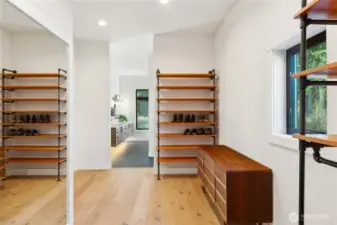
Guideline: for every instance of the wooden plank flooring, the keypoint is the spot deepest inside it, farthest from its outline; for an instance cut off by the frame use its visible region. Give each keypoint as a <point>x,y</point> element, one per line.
<point>33,201</point>
<point>135,197</point>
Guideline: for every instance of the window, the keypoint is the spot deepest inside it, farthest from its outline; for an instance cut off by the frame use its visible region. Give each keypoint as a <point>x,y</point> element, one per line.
<point>142,109</point>
<point>316,96</point>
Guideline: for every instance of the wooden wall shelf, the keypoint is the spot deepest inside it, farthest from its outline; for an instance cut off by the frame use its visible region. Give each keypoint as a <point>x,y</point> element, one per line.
<point>31,111</point>
<point>187,136</point>
<point>37,136</point>
<point>35,160</point>
<point>319,9</point>
<point>329,69</point>
<point>186,87</point>
<point>178,147</point>
<point>33,75</point>
<point>329,140</point>
<point>32,99</point>
<point>177,159</point>
<point>185,99</point>
<point>32,87</point>
<point>185,123</point>
<point>186,111</point>
<point>186,75</point>
<point>35,148</point>
<point>33,124</point>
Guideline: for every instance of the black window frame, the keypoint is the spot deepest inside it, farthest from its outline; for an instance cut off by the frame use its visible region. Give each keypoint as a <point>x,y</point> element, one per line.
<point>311,42</point>
<point>142,99</point>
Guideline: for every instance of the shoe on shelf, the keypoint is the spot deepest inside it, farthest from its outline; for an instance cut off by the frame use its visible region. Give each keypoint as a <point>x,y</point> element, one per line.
<point>20,132</point>
<point>187,132</point>
<point>201,131</point>
<point>194,132</point>
<point>181,118</point>
<point>14,119</point>
<point>33,119</point>
<point>206,119</point>
<point>28,132</point>
<point>12,132</point>
<point>46,118</point>
<point>193,118</point>
<point>41,119</point>
<point>35,132</point>
<point>21,119</point>
<point>27,119</point>
<point>188,119</point>
<point>175,118</point>
<point>209,131</point>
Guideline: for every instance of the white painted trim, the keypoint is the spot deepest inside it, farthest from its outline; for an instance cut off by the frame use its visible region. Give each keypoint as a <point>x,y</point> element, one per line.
<point>176,171</point>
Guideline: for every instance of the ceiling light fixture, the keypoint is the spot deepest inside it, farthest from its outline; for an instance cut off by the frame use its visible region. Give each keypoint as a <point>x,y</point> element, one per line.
<point>102,23</point>
<point>164,2</point>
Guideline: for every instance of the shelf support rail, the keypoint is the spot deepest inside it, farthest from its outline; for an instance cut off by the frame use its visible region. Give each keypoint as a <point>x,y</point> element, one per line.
<point>158,127</point>
<point>214,103</point>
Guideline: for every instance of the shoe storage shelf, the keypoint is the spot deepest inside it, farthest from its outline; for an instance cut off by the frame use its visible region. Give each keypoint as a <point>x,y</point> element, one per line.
<point>317,12</point>
<point>192,124</point>
<point>21,125</point>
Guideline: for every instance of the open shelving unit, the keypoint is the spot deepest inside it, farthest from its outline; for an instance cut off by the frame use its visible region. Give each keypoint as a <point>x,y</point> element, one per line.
<point>58,115</point>
<point>160,100</point>
<point>318,12</point>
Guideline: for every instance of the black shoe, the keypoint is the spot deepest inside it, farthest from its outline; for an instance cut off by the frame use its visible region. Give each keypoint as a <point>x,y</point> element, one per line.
<point>41,119</point>
<point>187,132</point>
<point>193,118</point>
<point>14,119</point>
<point>20,132</point>
<point>35,132</point>
<point>33,119</point>
<point>27,119</point>
<point>175,118</point>
<point>194,132</point>
<point>21,119</point>
<point>181,118</point>
<point>46,118</point>
<point>201,131</point>
<point>188,119</point>
<point>209,131</point>
<point>28,132</point>
<point>12,132</point>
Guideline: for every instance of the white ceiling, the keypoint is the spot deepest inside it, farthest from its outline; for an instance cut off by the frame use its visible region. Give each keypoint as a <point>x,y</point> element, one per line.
<point>128,18</point>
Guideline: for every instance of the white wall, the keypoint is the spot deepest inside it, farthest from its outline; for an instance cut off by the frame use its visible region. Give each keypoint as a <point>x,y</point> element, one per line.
<point>243,48</point>
<point>4,49</point>
<point>92,85</point>
<point>128,86</point>
<point>184,54</point>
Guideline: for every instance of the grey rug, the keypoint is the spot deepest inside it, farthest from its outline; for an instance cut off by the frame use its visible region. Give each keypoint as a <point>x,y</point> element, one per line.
<point>135,154</point>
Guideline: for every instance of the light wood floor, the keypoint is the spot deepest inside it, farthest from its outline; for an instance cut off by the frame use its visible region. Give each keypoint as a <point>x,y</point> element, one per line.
<point>134,197</point>
<point>33,201</point>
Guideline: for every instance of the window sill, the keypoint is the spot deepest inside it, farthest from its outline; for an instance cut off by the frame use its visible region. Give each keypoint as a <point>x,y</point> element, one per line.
<point>284,140</point>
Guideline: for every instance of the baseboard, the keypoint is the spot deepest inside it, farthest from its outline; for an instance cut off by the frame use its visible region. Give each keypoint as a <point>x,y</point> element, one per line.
<point>176,171</point>
<point>36,172</point>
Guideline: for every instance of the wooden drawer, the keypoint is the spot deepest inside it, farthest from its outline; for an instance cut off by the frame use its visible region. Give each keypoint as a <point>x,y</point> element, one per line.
<point>209,188</point>
<point>221,189</point>
<point>221,175</point>
<point>200,162</point>
<point>221,205</point>
<point>209,174</point>
<point>208,161</point>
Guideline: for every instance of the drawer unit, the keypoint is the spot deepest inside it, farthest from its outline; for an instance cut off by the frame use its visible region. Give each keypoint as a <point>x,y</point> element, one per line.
<point>240,188</point>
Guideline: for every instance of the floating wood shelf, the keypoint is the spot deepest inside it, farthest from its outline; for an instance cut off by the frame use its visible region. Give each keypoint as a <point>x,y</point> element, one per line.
<point>33,124</point>
<point>178,147</point>
<point>188,136</point>
<point>185,123</point>
<point>186,87</point>
<point>329,140</point>
<point>32,87</point>
<point>328,69</point>
<point>33,75</point>
<point>185,99</point>
<point>319,9</point>
<point>186,111</point>
<point>38,136</point>
<point>186,75</point>
<point>35,148</point>
<point>31,111</point>
<point>35,160</point>
<point>33,99</point>
<point>177,159</point>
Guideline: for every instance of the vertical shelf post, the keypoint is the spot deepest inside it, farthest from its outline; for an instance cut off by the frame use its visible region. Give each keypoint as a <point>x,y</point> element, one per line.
<point>158,126</point>
<point>59,122</point>
<point>302,144</point>
<point>214,104</point>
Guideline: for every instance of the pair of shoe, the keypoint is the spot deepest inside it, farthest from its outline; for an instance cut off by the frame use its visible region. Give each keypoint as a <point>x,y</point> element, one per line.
<point>204,118</point>
<point>200,131</point>
<point>30,119</point>
<point>190,119</point>
<point>23,132</point>
<point>178,118</point>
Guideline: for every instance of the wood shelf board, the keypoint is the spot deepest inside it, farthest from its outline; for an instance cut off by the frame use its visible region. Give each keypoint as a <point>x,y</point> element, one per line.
<point>35,148</point>
<point>32,99</point>
<point>37,136</point>
<point>186,75</point>
<point>183,135</point>
<point>35,160</point>
<point>177,159</point>
<point>2,178</point>
<point>31,87</point>
<point>186,87</point>
<point>33,124</point>
<point>30,111</point>
<point>177,147</point>
<point>329,69</point>
<point>33,75</point>
<point>319,9</point>
<point>185,123</point>
<point>329,140</point>
<point>185,99</point>
<point>186,111</point>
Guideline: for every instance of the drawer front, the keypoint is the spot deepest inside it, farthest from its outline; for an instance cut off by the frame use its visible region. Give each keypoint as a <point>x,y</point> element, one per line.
<point>209,174</point>
<point>208,161</point>
<point>209,188</point>
<point>221,205</point>
<point>200,161</point>
<point>221,189</point>
<point>221,175</point>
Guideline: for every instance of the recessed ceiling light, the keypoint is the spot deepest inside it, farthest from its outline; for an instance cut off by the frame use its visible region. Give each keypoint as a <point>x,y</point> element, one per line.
<point>102,23</point>
<point>164,2</point>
